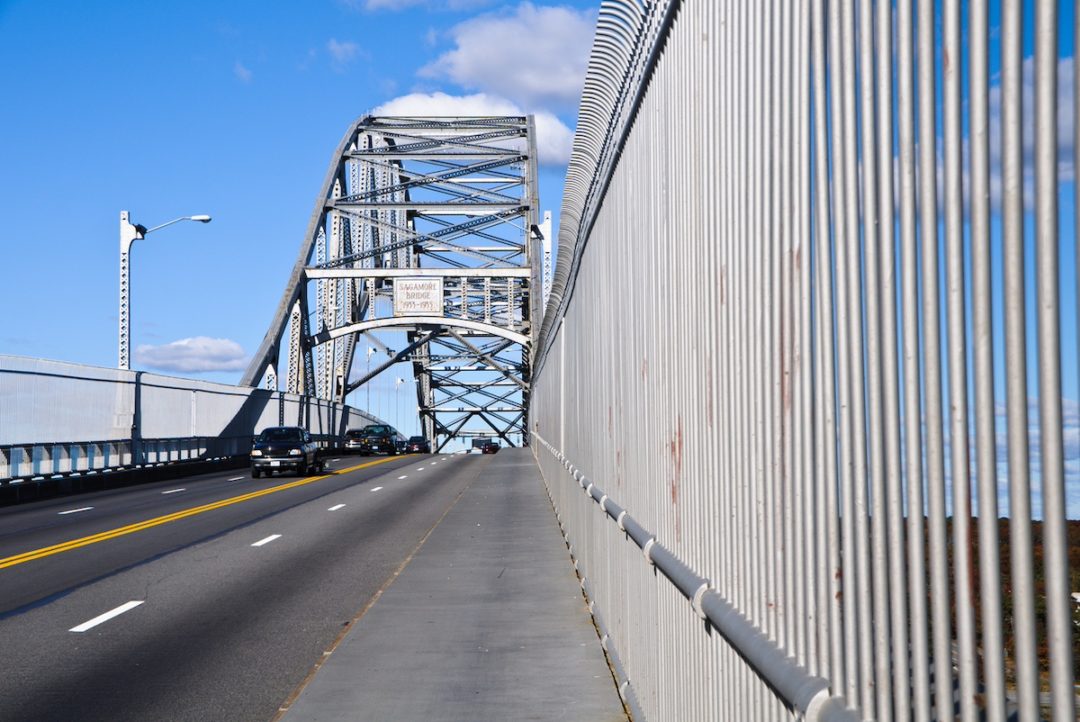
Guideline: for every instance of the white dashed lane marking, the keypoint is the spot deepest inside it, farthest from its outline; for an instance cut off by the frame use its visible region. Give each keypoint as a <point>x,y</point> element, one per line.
<point>376,488</point>
<point>75,511</point>
<point>267,540</point>
<point>105,617</point>
<point>421,468</point>
<point>237,478</point>
<point>404,476</point>
<point>335,507</point>
<point>173,491</point>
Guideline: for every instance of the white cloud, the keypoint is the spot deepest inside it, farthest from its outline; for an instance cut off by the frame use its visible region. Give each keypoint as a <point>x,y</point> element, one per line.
<point>242,73</point>
<point>193,355</point>
<point>536,56</point>
<point>553,138</point>
<point>341,52</point>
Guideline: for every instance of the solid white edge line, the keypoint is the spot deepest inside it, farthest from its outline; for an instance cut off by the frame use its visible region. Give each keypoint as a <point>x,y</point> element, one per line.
<point>335,507</point>
<point>74,511</point>
<point>173,491</point>
<point>267,540</point>
<point>403,476</point>
<point>105,617</point>
<point>237,478</point>
<point>376,488</point>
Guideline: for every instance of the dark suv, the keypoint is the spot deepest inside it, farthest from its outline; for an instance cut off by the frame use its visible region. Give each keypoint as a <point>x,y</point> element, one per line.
<point>418,445</point>
<point>374,439</point>
<point>284,448</point>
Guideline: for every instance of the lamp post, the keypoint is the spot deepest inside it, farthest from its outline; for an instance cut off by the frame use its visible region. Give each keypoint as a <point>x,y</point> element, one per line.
<point>370,351</point>
<point>129,233</point>
<point>397,400</point>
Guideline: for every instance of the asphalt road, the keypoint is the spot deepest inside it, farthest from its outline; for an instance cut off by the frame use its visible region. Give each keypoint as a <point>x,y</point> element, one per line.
<point>207,598</point>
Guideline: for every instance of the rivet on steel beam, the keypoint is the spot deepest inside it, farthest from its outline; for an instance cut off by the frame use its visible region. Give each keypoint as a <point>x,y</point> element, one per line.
<point>619,520</point>
<point>601,503</point>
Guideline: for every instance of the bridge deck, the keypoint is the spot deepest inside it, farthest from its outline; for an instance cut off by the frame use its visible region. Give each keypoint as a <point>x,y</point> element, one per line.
<point>487,622</point>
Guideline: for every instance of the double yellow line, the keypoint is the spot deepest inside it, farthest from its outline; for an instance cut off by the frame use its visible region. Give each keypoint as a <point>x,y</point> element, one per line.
<point>158,521</point>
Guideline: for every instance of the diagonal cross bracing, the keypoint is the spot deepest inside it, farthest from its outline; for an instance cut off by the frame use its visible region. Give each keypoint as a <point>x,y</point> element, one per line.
<point>444,207</point>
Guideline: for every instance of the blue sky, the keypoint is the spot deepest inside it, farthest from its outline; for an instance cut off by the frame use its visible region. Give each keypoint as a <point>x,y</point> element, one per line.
<point>233,109</point>
<point>230,109</point>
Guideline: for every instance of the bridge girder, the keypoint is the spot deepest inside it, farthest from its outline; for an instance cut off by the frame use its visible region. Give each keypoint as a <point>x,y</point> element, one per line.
<point>444,207</point>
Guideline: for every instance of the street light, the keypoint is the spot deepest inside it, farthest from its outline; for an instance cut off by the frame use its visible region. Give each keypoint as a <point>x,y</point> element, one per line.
<point>370,351</point>
<point>397,400</point>
<point>129,233</point>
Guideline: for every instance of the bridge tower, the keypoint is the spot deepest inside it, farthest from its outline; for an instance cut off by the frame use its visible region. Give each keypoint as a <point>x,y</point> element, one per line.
<point>426,226</point>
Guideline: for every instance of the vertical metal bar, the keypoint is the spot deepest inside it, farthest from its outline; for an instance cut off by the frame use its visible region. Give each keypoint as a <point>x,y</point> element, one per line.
<point>839,125</point>
<point>825,442</point>
<point>1055,540</point>
<point>1020,547</point>
<point>881,679</point>
<point>963,573</point>
<point>894,493</point>
<point>983,353</point>
<point>931,322</point>
<point>916,577</point>
<point>804,476</point>
<point>791,521</point>
<point>758,265</point>
<point>775,362</point>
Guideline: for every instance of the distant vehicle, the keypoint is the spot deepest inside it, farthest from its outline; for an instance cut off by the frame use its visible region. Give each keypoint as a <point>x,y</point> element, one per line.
<point>418,445</point>
<point>374,439</point>
<point>490,447</point>
<point>284,448</point>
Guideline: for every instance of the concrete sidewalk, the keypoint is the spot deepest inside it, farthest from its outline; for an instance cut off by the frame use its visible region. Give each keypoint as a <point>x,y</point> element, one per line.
<point>487,622</point>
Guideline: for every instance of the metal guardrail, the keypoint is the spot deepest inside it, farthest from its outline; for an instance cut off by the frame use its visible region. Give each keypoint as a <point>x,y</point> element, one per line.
<point>122,420</point>
<point>32,462</point>
<point>788,328</point>
<point>804,693</point>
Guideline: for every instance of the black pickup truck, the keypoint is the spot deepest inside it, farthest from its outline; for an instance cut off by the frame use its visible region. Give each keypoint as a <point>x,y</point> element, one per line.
<point>284,448</point>
<point>374,439</point>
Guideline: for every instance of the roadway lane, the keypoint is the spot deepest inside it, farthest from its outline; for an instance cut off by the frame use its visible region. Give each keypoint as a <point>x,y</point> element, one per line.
<point>43,525</point>
<point>218,615</point>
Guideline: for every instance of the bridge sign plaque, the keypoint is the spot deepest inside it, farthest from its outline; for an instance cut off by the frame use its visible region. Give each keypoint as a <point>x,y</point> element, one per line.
<point>418,297</point>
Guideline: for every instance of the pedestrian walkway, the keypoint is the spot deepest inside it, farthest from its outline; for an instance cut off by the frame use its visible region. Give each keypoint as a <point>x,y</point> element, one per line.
<point>487,622</point>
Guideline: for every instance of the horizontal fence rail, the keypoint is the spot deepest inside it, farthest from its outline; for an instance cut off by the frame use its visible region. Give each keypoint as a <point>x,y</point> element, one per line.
<point>816,282</point>
<point>60,419</point>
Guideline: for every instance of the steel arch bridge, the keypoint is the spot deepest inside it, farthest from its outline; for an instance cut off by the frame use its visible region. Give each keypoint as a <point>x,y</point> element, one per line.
<point>428,227</point>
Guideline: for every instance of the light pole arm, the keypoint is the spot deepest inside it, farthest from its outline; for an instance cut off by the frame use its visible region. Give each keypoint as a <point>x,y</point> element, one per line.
<point>200,219</point>
<point>129,233</point>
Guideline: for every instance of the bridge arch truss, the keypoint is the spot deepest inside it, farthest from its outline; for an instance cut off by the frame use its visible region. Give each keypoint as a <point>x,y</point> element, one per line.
<point>426,228</point>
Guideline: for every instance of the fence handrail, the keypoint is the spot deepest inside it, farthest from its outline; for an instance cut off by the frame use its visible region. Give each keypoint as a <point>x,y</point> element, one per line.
<point>802,691</point>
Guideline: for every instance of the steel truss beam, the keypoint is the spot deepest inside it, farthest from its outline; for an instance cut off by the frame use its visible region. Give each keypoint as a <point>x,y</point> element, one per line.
<point>445,198</point>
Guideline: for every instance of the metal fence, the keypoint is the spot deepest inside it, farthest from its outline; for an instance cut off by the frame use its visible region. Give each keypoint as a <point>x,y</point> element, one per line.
<point>785,387</point>
<point>59,419</point>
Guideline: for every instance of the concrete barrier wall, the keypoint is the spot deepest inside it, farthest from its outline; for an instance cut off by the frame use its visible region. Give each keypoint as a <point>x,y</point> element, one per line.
<point>63,418</point>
